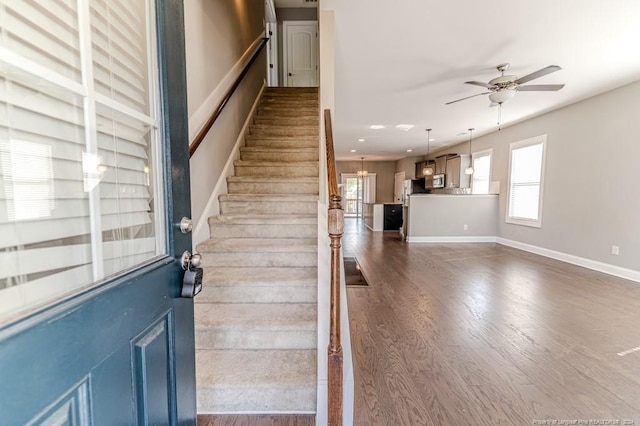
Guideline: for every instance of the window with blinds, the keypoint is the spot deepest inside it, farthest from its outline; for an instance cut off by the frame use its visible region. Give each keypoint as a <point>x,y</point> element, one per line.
<point>79,154</point>
<point>526,172</point>
<point>481,172</point>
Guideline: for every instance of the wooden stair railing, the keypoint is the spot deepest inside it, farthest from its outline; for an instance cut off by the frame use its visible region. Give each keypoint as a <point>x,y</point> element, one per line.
<point>336,229</point>
<point>193,146</point>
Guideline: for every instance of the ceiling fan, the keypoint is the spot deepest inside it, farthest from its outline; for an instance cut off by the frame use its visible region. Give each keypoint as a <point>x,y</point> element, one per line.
<point>503,88</point>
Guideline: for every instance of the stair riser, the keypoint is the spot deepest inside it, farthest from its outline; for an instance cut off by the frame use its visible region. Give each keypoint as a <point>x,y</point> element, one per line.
<point>283,142</point>
<point>309,94</point>
<point>289,101</point>
<point>288,111</point>
<point>282,171</point>
<point>286,121</point>
<point>260,260</point>
<point>266,130</point>
<point>278,156</point>
<point>249,207</point>
<point>263,231</point>
<point>272,188</point>
<point>258,399</point>
<point>262,294</point>
<point>256,339</point>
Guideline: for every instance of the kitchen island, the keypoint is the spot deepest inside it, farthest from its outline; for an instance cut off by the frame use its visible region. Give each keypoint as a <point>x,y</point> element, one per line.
<point>382,216</point>
<point>451,218</point>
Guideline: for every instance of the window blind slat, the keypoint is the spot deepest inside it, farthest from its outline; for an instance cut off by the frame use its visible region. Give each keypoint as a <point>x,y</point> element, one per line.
<point>37,231</point>
<point>41,38</point>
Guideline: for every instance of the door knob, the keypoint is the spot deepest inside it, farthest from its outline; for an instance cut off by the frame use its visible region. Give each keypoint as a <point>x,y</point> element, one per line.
<point>186,225</point>
<point>290,75</point>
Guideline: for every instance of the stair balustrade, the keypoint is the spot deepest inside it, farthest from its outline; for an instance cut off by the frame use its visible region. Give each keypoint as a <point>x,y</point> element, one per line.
<point>336,229</point>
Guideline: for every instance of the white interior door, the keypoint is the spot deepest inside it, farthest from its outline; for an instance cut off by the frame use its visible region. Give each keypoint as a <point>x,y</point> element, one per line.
<point>300,53</point>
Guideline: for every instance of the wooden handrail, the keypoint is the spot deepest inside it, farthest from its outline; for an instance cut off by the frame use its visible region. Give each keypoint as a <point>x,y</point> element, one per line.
<point>216,113</point>
<point>336,229</point>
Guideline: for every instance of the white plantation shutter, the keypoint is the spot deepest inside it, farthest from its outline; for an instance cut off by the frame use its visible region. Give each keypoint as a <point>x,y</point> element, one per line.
<point>525,182</point>
<point>78,145</point>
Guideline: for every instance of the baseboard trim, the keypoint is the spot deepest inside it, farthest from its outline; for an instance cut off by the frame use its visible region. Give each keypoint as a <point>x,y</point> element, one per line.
<point>469,239</point>
<point>201,115</point>
<point>212,208</point>
<point>595,265</point>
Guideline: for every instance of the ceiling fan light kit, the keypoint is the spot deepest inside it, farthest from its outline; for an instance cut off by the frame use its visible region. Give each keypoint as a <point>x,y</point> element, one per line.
<point>504,87</point>
<point>502,96</point>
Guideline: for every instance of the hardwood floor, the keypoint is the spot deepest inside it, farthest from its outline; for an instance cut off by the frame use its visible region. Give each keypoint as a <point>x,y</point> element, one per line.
<point>483,334</point>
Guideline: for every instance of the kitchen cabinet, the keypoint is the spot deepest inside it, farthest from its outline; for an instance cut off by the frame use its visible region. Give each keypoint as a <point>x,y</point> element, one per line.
<point>456,178</point>
<point>441,165</point>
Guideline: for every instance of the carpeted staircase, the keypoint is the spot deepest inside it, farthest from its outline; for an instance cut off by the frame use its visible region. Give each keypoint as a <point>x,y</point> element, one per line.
<point>256,332</point>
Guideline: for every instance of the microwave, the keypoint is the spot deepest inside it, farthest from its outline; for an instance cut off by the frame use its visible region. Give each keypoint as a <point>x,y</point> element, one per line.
<point>438,181</point>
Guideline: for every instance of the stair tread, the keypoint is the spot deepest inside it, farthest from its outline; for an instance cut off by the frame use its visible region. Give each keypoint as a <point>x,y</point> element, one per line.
<point>268,197</point>
<point>258,277</point>
<point>267,219</point>
<point>256,316</point>
<point>278,137</point>
<point>274,179</point>
<point>276,149</point>
<point>255,368</point>
<point>259,245</point>
<point>247,163</point>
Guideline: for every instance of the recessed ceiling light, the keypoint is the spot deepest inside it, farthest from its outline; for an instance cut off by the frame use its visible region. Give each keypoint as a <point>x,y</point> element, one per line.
<point>405,127</point>
<point>360,140</point>
<point>353,150</point>
<point>409,150</point>
<point>432,140</point>
<point>377,127</point>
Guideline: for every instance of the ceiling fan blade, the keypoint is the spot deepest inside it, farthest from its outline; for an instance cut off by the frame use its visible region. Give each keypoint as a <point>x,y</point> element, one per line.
<point>538,74</point>
<point>479,83</point>
<point>540,88</point>
<point>468,97</point>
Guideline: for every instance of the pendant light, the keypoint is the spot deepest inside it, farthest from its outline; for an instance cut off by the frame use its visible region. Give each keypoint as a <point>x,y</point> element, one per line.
<point>427,171</point>
<point>362,172</point>
<point>469,170</point>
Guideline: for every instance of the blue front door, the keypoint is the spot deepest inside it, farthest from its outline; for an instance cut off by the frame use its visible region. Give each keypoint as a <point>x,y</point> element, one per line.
<point>94,180</point>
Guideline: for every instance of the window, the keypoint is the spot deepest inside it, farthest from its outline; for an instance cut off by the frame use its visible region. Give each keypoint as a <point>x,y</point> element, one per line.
<point>526,172</point>
<point>80,190</point>
<point>481,172</point>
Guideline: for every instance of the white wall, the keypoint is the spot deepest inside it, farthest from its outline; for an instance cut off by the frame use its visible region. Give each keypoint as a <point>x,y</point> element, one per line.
<point>220,36</point>
<point>591,192</point>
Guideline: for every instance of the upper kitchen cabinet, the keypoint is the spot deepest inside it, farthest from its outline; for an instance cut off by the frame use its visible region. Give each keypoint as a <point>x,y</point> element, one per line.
<point>441,165</point>
<point>456,178</point>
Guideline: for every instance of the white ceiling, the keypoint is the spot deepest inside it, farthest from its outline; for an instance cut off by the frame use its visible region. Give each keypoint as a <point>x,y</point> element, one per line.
<point>400,62</point>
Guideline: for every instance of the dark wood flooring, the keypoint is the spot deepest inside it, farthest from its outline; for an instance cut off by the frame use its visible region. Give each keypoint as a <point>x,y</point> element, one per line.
<point>483,334</point>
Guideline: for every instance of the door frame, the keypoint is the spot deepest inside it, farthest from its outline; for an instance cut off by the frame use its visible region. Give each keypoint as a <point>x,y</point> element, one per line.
<point>285,49</point>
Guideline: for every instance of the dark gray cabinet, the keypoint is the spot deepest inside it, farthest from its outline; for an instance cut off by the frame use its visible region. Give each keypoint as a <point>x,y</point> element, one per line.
<point>392,217</point>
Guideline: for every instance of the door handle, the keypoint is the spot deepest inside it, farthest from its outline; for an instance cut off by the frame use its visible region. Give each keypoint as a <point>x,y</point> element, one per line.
<point>290,75</point>
<point>192,279</point>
